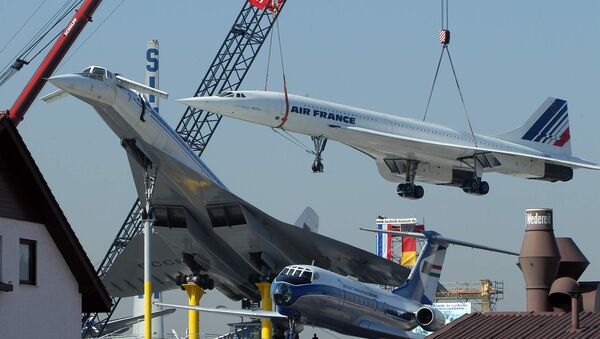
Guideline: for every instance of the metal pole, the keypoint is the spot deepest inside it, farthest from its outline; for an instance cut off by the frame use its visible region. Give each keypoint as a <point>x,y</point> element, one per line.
<point>147,277</point>
<point>148,220</point>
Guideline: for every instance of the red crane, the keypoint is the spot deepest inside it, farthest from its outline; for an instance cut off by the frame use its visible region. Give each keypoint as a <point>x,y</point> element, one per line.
<point>51,61</point>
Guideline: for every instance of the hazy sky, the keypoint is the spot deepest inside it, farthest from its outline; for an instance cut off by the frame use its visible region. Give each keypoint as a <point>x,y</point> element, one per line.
<point>510,56</point>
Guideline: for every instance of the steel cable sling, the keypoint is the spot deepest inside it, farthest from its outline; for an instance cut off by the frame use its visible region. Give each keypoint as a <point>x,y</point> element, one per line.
<point>445,41</point>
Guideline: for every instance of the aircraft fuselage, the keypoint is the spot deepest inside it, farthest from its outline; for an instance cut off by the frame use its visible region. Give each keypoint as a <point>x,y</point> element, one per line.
<point>345,305</point>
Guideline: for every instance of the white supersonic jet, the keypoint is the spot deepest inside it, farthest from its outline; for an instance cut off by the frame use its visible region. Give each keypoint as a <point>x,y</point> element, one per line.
<point>408,150</point>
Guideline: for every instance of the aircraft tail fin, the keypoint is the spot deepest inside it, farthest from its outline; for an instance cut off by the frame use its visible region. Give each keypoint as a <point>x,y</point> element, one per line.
<point>546,130</point>
<point>423,280</point>
<point>308,220</point>
<point>425,275</point>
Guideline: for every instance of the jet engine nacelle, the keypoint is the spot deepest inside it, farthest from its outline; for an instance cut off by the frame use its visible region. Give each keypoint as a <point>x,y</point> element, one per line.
<point>555,173</point>
<point>430,319</point>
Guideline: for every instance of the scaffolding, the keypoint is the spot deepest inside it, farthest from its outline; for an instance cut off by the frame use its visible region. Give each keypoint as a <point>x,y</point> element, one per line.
<point>483,294</point>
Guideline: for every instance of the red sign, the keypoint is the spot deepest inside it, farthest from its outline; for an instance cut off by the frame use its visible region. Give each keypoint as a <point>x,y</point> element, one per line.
<point>260,3</point>
<point>270,4</point>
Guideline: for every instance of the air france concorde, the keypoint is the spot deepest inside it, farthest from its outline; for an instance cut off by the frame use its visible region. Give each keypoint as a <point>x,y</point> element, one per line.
<point>408,150</point>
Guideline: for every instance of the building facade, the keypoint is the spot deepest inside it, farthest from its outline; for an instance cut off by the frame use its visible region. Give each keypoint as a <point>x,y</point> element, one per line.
<point>46,279</point>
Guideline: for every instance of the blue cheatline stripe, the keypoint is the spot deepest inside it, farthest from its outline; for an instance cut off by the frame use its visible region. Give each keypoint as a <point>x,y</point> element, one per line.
<point>553,122</point>
<point>543,120</point>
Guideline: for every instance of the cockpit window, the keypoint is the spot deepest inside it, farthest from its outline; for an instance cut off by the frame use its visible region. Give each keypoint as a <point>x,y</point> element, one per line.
<point>226,94</point>
<point>240,95</point>
<point>97,73</point>
<point>296,275</point>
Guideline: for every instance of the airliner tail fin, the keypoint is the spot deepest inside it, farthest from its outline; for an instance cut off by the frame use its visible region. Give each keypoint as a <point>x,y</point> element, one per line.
<point>423,280</point>
<point>546,130</point>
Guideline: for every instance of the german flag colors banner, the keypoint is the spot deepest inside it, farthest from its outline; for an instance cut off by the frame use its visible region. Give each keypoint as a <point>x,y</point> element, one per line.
<point>409,247</point>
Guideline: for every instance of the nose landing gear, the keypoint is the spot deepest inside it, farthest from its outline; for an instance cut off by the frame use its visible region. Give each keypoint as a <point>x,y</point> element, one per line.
<point>319,143</point>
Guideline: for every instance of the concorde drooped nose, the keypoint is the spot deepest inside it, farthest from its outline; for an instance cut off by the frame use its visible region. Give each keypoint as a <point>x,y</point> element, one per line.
<point>225,106</point>
<point>82,86</point>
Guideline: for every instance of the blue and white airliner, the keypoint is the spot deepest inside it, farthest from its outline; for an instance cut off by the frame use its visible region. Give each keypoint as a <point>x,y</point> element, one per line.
<point>408,150</point>
<point>307,294</point>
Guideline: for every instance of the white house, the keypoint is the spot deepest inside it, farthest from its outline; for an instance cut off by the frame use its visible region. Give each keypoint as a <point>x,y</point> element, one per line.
<point>46,279</point>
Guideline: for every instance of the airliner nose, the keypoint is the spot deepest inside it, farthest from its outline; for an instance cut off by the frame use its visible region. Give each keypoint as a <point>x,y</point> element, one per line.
<point>211,103</point>
<point>70,83</point>
<point>282,294</point>
<point>85,87</point>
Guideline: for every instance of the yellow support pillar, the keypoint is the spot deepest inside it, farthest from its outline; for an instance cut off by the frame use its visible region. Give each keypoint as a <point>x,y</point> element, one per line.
<point>267,304</point>
<point>194,293</point>
<point>148,309</point>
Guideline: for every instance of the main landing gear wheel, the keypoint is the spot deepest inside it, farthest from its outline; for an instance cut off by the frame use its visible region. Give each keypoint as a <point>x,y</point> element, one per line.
<point>477,187</point>
<point>484,188</point>
<point>203,281</point>
<point>410,191</point>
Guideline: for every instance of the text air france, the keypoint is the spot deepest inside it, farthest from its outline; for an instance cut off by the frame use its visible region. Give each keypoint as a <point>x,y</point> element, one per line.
<point>324,115</point>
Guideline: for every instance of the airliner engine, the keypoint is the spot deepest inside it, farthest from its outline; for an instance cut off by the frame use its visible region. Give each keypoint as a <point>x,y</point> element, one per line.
<point>430,319</point>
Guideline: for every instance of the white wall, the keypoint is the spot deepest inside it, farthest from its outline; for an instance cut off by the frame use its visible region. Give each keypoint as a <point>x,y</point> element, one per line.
<point>51,308</point>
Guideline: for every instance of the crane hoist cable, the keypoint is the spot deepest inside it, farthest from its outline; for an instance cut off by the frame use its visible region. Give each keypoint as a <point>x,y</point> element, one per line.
<point>22,26</point>
<point>279,130</point>
<point>285,91</point>
<point>20,59</point>
<point>274,7</point>
<point>65,60</point>
<point>269,62</point>
<point>444,37</point>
